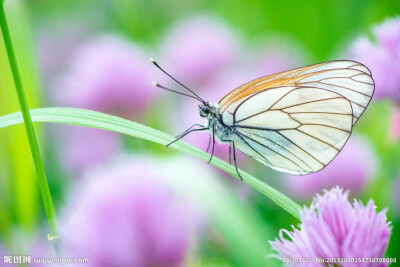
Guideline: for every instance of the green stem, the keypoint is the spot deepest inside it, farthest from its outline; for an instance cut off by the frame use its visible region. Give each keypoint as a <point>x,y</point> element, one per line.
<point>43,184</point>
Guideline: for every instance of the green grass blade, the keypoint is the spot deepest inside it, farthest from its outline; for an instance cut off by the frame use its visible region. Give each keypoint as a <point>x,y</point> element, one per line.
<point>43,184</point>
<point>99,120</point>
<point>19,191</point>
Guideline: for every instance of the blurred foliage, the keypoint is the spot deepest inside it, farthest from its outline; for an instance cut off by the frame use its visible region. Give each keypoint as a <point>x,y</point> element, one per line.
<point>321,26</point>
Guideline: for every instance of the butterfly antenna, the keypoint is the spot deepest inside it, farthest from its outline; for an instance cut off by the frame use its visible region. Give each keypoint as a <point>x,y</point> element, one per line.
<point>158,66</point>
<point>174,91</point>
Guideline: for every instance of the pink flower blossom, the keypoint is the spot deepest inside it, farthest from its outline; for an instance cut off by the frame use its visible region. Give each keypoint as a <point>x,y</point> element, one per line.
<point>333,228</point>
<point>56,42</point>
<point>351,169</point>
<point>197,48</point>
<point>382,57</point>
<point>126,214</point>
<point>107,74</point>
<point>394,133</point>
<point>276,55</point>
<point>83,147</point>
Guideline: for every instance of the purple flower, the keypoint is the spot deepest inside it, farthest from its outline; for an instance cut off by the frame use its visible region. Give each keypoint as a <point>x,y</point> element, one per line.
<point>351,169</point>
<point>277,55</point>
<point>126,214</point>
<point>5,256</point>
<point>196,49</point>
<point>383,58</point>
<point>107,74</point>
<point>84,147</point>
<point>333,228</point>
<point>110,75</point>
<point>24,249</point>
<point>394,133</point>
<point>57,41</point>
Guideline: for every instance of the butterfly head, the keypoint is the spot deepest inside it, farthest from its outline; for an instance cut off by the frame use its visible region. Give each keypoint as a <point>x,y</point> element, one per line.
<point>205,110</point>
<point>208,110</point>
<point>210,113</point>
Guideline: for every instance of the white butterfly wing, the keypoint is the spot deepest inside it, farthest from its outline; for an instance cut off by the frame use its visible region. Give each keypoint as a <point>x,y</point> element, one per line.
<point>347,78</point>
<point>292,129</point>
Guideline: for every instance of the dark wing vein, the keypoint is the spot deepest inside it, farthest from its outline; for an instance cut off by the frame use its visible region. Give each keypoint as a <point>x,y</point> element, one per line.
<point>308,102</point>
<point>333,127</point>
<point>265,137</point>
<point>318,112</point>
<point>263,145</point>
<point>234,112</point>
<point>265,129</point>
<point>281,109</point>
<point>351,78</point>
<point>344,87</point>
<point>316,138</point>
<point>299,147</point>
<point>359,104</point>
<point>252,148</point>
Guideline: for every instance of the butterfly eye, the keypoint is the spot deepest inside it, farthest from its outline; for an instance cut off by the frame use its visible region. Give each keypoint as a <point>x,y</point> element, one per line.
<point>204,110</point>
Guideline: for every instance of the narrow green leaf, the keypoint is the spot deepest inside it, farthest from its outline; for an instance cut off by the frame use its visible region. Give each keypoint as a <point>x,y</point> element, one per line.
<point>43,185</point>
<point>99,120</point>
<point>19,190</point>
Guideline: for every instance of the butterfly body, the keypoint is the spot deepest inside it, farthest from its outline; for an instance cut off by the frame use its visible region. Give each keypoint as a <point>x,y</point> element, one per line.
<point>214,122</point>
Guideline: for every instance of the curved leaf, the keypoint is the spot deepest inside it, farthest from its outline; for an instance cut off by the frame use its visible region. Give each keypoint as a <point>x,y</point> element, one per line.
<point>88,118</point>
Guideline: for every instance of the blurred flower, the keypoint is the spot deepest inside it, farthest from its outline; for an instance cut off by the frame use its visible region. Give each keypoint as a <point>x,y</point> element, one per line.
<point>107,74</point>
<point>56,41</point>
<point>351,169</point>
<point>25,247</point>
<point>110,75</point>
<point>83,147</point>
<point>128,215</point>
<point>4,254</point>
<point>333,228</point>
<point>196,49</point>
<point>394,133</point>
<point>383,58</point>
<point>277,54</point>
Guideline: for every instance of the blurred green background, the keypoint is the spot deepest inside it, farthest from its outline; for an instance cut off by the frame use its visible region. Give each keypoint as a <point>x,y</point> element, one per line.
<point>239,228</point>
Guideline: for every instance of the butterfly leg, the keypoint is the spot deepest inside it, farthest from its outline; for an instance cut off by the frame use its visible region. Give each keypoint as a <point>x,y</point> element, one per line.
<point>196,124</point>
<point>186,133</point>
<point>212,150</point>
<point>230,156</point>
<point>209,143</point>
<point>234,159</point>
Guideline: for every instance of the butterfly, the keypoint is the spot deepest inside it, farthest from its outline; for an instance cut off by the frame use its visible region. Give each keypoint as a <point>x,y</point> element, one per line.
<point>295,121</point>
